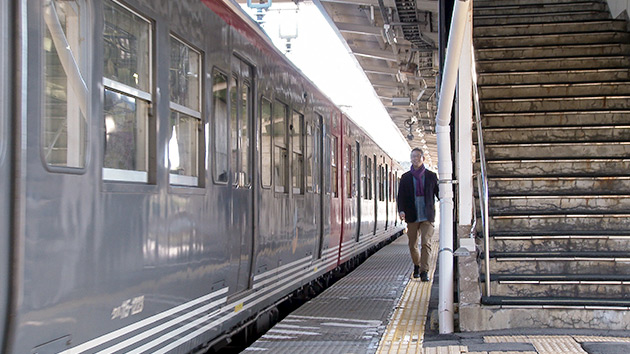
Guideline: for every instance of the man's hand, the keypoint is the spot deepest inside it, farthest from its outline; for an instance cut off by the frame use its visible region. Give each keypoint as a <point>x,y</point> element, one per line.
<point>402,215</point>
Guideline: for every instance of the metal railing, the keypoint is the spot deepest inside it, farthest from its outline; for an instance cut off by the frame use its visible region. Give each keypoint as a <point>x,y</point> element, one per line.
<point>482,181</point>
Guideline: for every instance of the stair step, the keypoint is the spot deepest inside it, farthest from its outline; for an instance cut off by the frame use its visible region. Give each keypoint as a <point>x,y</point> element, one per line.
<point>577,204</point>
<point>561,185</point>
<point>486,3</point>
<point>560,243</point>
<point>530,234</point>
<point>548,64</point>
<point>554,76</point>
<point>561,264</point>
<point>571,301</point>
<point>572,63</point>
<point>549,28</point>
<point>552,51</point>
<point>558,168</point>
<point>551,39</point>
<point>575,16</point>
<point>613,289</point>
<point>611,256</point>
<point>560,223</point>
<point>554,104</point>
<point>537,9</point>
<point>558,90</point>
<point>539,278</point>
<point>543,119</point>
<point>557,150</point>
<point>556,134</point>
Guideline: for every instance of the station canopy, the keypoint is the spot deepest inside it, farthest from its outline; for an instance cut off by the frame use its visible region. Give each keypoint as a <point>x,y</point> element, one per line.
<point>396,44</point>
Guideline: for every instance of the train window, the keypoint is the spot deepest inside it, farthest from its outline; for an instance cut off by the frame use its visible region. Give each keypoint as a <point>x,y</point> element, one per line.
<point>240,121</point>
<point>127,46</point>
<point>219,99</point>
<point>280,155</point>
<point>364,185</point>
<point>334,164</point>
<point>65,90</point>
<point>234,123</point>
<point>185,128</point>
<point>309,157</point>
<point>369,178</point>
<point>297,138</point>
<point>267,146</point>
<point>326,177</point>
<point>317,154</point>
<point>349,171</point>
<point>379,182</point>
<point>127,80</point>
<point>389,184</point>
<point>381,192</point>
<point>246,115</point>
<point>355,166</point>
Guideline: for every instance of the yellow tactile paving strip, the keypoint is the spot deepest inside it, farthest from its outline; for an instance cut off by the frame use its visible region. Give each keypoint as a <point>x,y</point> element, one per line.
<point>452,349</point>
<point>405,330</point>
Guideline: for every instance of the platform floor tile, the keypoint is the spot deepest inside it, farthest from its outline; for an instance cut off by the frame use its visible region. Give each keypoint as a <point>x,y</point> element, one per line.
<point>350,316</point>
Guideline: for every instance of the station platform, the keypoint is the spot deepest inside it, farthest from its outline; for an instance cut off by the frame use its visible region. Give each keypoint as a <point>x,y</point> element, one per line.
<point>380,308</point>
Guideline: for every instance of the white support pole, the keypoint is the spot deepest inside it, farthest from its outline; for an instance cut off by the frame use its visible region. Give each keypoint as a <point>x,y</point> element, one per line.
<point>464,140</point>
<point>445,168</point>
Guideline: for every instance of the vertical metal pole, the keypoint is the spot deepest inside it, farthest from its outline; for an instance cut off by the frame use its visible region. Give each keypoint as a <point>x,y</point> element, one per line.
<point>445,168</point>
<point>464,130</point>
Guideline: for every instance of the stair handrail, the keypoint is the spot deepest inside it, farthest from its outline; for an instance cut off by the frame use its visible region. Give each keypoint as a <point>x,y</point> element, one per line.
<point>483,182</point>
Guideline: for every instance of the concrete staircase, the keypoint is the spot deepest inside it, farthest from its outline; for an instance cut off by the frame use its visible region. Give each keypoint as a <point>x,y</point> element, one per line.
<point>555,100</point>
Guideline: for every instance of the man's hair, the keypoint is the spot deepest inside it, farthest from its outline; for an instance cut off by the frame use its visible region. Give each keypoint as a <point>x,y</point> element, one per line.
<point>418,150</point>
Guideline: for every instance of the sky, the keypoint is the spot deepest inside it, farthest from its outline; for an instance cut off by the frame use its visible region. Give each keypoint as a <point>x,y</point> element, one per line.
<point>325,60</point>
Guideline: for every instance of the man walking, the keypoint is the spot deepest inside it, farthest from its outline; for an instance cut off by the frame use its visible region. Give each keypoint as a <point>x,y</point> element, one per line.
<point>416,206</point>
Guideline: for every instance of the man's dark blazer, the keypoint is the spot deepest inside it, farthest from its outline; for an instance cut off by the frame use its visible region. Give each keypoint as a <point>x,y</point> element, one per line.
<point>407,199</point>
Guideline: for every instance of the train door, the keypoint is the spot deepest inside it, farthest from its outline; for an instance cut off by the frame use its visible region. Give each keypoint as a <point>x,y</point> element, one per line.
<point>241,128</point>
<point>56,194</point>
<point>358,195</point>
<point>5,164</point>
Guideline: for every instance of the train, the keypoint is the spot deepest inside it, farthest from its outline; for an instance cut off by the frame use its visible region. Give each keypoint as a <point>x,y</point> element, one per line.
<point>168,177</point>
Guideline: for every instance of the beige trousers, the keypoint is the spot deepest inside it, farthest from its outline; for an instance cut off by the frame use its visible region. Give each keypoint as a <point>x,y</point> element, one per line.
<point>426,232</point>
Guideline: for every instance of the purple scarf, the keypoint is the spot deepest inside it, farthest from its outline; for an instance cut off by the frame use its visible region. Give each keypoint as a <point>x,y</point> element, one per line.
<point>418,179</point>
